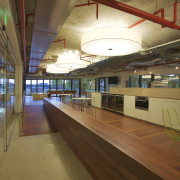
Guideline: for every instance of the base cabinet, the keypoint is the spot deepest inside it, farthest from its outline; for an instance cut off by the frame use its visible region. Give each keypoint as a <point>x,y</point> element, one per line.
<point>129,105</point>
<point>155,110</point>
<point>141,114</point>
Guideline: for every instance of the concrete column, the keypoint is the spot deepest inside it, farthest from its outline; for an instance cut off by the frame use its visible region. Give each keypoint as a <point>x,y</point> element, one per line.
<point>18,87</point>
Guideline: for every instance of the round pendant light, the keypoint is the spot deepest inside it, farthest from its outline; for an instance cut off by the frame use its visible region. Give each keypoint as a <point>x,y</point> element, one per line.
<point>111,41</point>
<point>56,70</point>
<point>70,59</point>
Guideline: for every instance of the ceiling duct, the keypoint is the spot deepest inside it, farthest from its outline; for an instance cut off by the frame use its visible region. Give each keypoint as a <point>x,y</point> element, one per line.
<point>49,18</point>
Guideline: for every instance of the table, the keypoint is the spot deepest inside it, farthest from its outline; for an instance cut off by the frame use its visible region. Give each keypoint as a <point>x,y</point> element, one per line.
<point>61,95</point>
<point>39,96</point>
<point>82,99</point>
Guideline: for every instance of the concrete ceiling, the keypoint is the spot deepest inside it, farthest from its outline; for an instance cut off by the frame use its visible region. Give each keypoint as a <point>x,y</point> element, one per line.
<point>82,19</point>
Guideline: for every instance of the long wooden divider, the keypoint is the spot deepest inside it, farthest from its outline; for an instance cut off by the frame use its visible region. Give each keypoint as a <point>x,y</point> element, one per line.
<point>107,152</point>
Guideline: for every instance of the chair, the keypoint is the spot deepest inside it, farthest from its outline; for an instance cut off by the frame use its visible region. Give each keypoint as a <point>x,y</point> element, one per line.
<point>171,121</point>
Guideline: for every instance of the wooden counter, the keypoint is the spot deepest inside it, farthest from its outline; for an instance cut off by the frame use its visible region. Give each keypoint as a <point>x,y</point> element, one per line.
<point>107,152</point>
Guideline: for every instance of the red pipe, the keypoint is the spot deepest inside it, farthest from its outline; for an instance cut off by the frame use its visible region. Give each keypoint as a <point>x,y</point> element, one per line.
<point>59,40</point>
<point>175,12</point>
<point>27,16</point>
<point>161,11</point>
<point>137,12</point>
<point>88,4</point>
<point>81,58</point>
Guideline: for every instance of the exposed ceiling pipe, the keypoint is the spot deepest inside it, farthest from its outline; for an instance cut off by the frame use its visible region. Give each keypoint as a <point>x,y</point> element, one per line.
<point>164,64</point>
<point>59,40</point>
<point>160,11</point>
<point>22,14</point>
<point>39,59</point>
<point>88,4</point>
<point>175,12</point>
<point>82,58</point>
<point>27,16</point>
<point>43,66</point>
<point>137,12</point>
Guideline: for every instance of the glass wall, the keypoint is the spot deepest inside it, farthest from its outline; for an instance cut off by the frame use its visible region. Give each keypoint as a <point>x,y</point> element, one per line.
<point>34,87</point>
<point>68,85</point>
<point>155,81</point>
<point>53,85</point>
<point>87,85</point>
<point>46,86</point>
<point>134,81</point>
<point>60,84</point>
<point>145,81</point>
<point>28,87</point>
<point>40,86</point>
<point>102,84</point>
<point>7,92</point>
<point>75,86</point>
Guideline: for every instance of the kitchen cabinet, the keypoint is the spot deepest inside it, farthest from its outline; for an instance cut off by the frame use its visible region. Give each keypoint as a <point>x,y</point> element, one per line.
<point>129,105</point>
<point>97,99</point>
<point>170,103</point>
<point>141,114</point>
<point>155,110</point>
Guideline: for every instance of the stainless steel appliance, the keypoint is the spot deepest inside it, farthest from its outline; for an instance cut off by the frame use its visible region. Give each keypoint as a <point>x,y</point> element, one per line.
<point>119,105</point>
<point>142,102</point>
<point>113,102</point>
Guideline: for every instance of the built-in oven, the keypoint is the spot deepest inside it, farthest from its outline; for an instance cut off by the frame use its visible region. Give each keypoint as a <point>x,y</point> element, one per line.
<point>142,103</point>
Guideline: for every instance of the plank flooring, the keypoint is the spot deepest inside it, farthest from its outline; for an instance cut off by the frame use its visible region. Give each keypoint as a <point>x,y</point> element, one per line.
<point>151,133</point>
<point>34,119</point>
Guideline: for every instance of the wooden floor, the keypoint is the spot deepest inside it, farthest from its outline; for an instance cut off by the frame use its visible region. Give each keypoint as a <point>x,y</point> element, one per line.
<point>34,118</point>
<point>151,133</point>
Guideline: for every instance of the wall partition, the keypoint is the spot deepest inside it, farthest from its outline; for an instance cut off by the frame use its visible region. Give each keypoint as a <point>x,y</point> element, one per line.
<point>7,94</point>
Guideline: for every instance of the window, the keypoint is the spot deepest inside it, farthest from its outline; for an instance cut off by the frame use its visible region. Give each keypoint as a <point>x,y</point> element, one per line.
<point>11,86</point>
<point>134,81</point>
<point>34,86</point>
<point>106,85</point>
<point>68,85</point>
<point>145,81</point>
<point>28,87</point>
<point>53,85</point>
<point>172,80</point>
<point>60,85</point>
<point>87,84</point>
<point>40,86</point>
<point>75,86</point>
<point>46,86</point>
<point>102,84</point>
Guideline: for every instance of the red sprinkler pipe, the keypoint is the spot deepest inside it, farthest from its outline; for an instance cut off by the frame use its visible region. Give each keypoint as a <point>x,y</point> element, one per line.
<point>81,58</point>
<point>175,12</point>
<point>137,12</point>
<point>22,13</point>
<point>88,4</point>
<point>59,40</point>
<point>161,11</point>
